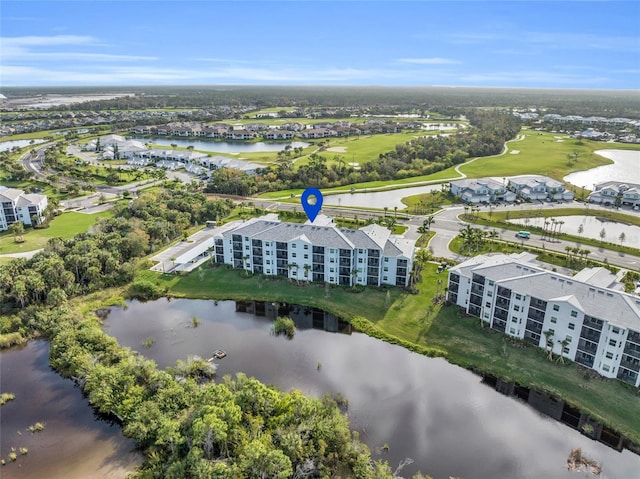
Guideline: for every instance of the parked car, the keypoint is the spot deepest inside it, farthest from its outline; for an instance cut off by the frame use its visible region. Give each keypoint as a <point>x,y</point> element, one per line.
<point>523,234</point>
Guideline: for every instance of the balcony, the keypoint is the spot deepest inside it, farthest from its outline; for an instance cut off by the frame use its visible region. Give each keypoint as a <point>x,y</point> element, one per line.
<point>476,289</point>
<point>501,314</point>
<point>630,363</point>
<point>590,334</point>
<point>587,346</point>
<point>536,315</point>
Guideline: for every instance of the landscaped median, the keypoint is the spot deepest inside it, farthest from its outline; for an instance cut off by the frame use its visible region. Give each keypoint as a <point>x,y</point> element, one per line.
<point>415,322</point>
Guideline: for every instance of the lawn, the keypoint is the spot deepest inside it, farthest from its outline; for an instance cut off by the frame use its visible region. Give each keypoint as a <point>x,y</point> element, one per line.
<point>543,154</point>
<point>539,153</point>
<point>416,321</point>
<point>66,225</point>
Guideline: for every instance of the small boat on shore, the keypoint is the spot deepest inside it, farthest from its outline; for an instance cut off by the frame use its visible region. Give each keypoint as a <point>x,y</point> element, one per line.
<point>219,354</point>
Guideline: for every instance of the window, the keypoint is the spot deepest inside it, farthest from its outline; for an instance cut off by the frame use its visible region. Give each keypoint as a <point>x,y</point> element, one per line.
<point>514,319</point>
<point>386,260</point>
<point>268,261</point>
<point>268,271</point>
<point>606,367</point>
<point>572,326</point>
<point>568,338</point>
<point>565,350</point>
<point>612,342</point>
<point>293,245</point>
<point>359,260</point>
<point>384,278</point>
<point>552,331</point>
<point>516,308</point>
<point>554,320</point>
<point>332,260</point>
<point>512,331</point>
<point>332,270</point>
<point>574,314</point>
<point>518,296</point>
<point>491,283</point>
<point>293,255</point>
<point>489,293</point>
<point>306,246</point>
<point>267,244</point>
<point>609,355</point>
<point>306,256</point>
<point>360,251</point>
<point>556,307</point>
<point>386,268</point>
<point>332,250</point>
<point>246,247</point>
<point>487,304</point>
<point>486,315</point>
<point>615,330</point>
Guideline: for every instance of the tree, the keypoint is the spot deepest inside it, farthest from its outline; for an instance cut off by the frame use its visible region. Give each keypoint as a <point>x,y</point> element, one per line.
<point>426,224</point>
<point>563,344</point>
<point>580,229</point>
<point>603,235</point>
<point>17,229</point>
<point>548,335</point>
<point>622,238</point>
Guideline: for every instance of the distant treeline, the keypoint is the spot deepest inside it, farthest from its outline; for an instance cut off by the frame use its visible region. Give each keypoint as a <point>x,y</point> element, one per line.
<point>446,100</point>
<point>422,156</point>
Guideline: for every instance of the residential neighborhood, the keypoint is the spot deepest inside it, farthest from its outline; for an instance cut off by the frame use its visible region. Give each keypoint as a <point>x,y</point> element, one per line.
<point>28,208</point>
<point>525,187</point>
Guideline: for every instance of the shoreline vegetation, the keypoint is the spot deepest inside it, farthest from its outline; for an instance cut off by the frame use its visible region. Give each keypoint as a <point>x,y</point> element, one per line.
<point>414,322</point>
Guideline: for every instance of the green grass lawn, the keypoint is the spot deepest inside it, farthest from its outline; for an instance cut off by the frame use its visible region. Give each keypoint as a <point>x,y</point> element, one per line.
<point>417,321</point>
<point>65,225</point>
<point>543,154</point>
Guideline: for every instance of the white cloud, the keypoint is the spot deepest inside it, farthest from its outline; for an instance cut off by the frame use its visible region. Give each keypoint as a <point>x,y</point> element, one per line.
<point>34,48</point>
<point>428,61</point>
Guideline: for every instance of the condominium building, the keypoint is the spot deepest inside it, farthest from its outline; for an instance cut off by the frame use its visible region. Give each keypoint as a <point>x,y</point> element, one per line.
<point>16,205</point>
<point>586,317</point>
<point>317,251</point>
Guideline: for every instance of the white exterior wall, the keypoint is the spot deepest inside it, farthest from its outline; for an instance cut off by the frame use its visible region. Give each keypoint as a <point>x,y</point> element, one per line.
<point>392,266</point>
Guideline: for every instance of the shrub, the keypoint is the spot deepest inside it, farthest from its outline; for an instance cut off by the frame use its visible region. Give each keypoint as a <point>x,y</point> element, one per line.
<point>286,326</point>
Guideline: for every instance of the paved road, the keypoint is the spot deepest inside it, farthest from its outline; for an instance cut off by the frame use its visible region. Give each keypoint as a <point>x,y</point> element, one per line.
<point>447,225</point>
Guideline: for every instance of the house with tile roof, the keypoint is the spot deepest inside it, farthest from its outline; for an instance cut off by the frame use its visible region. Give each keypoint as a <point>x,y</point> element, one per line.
<point>16,205</point>
<point>586,318</point>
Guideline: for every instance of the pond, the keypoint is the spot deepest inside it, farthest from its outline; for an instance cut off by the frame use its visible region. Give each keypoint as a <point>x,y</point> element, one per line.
<point>379,199</point>
<point>74,443</point>
<point>8,145</point>
<point>223,146</point>
<point>441,416</point>
<point>592,226</point>
<point>626,168</point>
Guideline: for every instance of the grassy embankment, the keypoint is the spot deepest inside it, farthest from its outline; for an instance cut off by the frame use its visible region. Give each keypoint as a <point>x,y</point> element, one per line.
<point>65,226</point>
<point>414,322</point>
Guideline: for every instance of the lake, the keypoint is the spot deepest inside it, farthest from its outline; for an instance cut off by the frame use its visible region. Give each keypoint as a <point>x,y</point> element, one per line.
<point>7,145</point>
<point>75,443</point>
<point>379,199</point>
<point>626,168</point>
<point>591,228</point>
<point>223,146</point>
<point>441,416</point>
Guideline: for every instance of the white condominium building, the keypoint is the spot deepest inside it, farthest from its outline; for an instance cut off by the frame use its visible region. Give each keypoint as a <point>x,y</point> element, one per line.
<point>317,252</point>
<point>586,317</point>
<point>16,205</point>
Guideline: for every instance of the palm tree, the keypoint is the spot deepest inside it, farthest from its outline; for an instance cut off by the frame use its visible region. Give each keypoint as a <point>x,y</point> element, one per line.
<point>548,343</point>
<point>354,276</point>
<point>386,208</point>
<point>563,344</point>
<point>307,268</point>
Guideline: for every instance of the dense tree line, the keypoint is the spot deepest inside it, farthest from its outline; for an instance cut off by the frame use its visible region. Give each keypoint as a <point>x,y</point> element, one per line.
<point>106,255</point>
<point>422,156</point>
<point>389,99</point>
<point>187,425</point>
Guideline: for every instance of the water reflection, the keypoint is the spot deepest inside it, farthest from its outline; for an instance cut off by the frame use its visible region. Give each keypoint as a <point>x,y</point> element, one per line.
<point>441,416</point>
<point>7,145</point>
<point>626,168</point>
<point>592,226</point>
<point>74,443</point>
<point>223,146</point>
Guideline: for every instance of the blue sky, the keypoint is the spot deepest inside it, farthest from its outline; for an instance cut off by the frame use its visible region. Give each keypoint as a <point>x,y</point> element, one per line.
<point>577,44</point>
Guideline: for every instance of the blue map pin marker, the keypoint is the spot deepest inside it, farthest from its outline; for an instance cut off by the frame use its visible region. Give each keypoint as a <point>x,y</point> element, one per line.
<point>311,209</point>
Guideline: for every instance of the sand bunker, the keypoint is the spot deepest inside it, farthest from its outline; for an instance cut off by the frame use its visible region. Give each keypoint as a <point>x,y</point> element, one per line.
<point>338,149</point>
<point>515,152</point>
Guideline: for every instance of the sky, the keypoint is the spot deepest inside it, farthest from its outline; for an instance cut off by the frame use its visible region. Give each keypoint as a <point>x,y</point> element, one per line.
<point>548,44</point>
